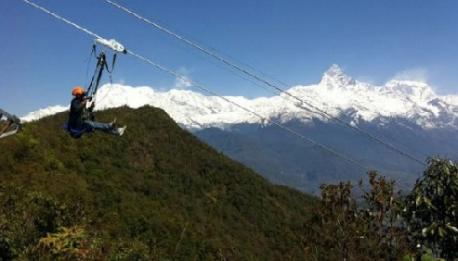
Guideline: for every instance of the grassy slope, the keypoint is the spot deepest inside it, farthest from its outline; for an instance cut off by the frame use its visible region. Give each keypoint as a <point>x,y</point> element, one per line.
<point>157,190</point>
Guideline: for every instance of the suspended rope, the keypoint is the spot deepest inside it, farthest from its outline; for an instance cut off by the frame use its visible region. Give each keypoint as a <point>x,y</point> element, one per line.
<point>302,102</point>
<point>102,63</point>
<point>201,87</point>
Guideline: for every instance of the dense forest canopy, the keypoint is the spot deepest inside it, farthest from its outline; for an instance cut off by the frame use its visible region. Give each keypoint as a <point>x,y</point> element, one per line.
<point>160,193</point>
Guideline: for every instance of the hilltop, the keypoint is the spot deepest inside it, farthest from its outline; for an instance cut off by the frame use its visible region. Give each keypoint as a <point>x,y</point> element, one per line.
<point>157,192</point>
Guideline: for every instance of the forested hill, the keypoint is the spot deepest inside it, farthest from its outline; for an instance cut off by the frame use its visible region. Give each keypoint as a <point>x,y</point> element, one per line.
<point>155,193</point>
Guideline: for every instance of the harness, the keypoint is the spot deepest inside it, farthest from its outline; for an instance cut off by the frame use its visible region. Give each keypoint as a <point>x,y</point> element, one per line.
<point>75,133</point>
<point>93,87</point>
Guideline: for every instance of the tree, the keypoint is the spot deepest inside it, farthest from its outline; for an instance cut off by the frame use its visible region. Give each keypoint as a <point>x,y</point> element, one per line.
<point>335,227</point>
<point>382,214</point>
<point>370,230</point>
<point>431,210</point>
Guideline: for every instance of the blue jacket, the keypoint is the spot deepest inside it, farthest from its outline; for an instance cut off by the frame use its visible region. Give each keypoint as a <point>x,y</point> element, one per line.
<point>75,117</point>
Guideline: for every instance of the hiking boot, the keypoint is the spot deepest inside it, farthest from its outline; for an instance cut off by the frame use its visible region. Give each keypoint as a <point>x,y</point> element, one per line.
<point>120,131</point>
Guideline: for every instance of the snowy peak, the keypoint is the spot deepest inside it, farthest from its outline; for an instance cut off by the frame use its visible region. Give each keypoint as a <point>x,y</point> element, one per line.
<point>451,99</point>
<point>337,93</point>
<point>418,91</point>
<point>335,77</point>
<point>43,113</point>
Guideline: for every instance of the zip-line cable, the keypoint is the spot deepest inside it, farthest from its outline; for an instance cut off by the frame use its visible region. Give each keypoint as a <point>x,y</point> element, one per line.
<point>201,87</point>
<point>262,118</point>
<point>269,83</point>
<point>63,19</point>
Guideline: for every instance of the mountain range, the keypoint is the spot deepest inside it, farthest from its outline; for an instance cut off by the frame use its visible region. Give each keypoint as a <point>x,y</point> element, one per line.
<point>407,114</point>
<point>336,93</point>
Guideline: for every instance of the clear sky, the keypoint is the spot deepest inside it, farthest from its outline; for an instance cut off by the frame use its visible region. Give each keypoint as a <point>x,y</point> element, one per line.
<point>295,41</point>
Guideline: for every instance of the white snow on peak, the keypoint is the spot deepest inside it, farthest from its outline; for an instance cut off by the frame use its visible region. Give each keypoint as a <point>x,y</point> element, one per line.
<point>335,77</point>
<point>35,115</point>
<point>336,93</point>
<point>451,99</point>
<point>418,91</point>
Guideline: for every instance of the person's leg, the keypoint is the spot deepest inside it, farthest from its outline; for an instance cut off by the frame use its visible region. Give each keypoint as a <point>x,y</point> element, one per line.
<point>105,127</point>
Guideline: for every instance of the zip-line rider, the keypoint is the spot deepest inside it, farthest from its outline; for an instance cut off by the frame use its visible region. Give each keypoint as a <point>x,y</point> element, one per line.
<point>11,120</point>
<point>79,121</point>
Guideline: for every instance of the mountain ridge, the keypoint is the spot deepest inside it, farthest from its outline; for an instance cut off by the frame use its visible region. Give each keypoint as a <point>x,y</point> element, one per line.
<point>337,93</point>
<point>157,193</point>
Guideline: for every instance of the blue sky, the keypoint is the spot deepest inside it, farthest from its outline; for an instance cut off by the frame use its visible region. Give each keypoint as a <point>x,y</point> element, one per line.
<point>41,59</point>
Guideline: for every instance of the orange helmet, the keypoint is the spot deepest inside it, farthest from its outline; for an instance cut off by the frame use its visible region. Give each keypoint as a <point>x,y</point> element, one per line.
<point>78,91</point>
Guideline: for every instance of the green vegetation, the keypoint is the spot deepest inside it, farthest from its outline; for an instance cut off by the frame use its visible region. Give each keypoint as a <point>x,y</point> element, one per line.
<point>386,225</point>
<point>155,193</point>
<point>369,232</point>
<point>158,193</point>
<point>432,209</point>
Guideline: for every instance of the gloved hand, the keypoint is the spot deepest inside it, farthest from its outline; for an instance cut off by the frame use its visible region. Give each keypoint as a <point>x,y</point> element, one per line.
<point>90,105</point>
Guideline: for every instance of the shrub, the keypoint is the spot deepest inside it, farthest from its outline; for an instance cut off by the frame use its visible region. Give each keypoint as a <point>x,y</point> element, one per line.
<point>431,210</point>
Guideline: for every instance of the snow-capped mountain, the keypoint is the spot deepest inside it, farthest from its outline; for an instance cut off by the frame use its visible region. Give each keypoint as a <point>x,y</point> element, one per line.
<point>337,93</point>
<point>406,113</point>
<point>32,116</point>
